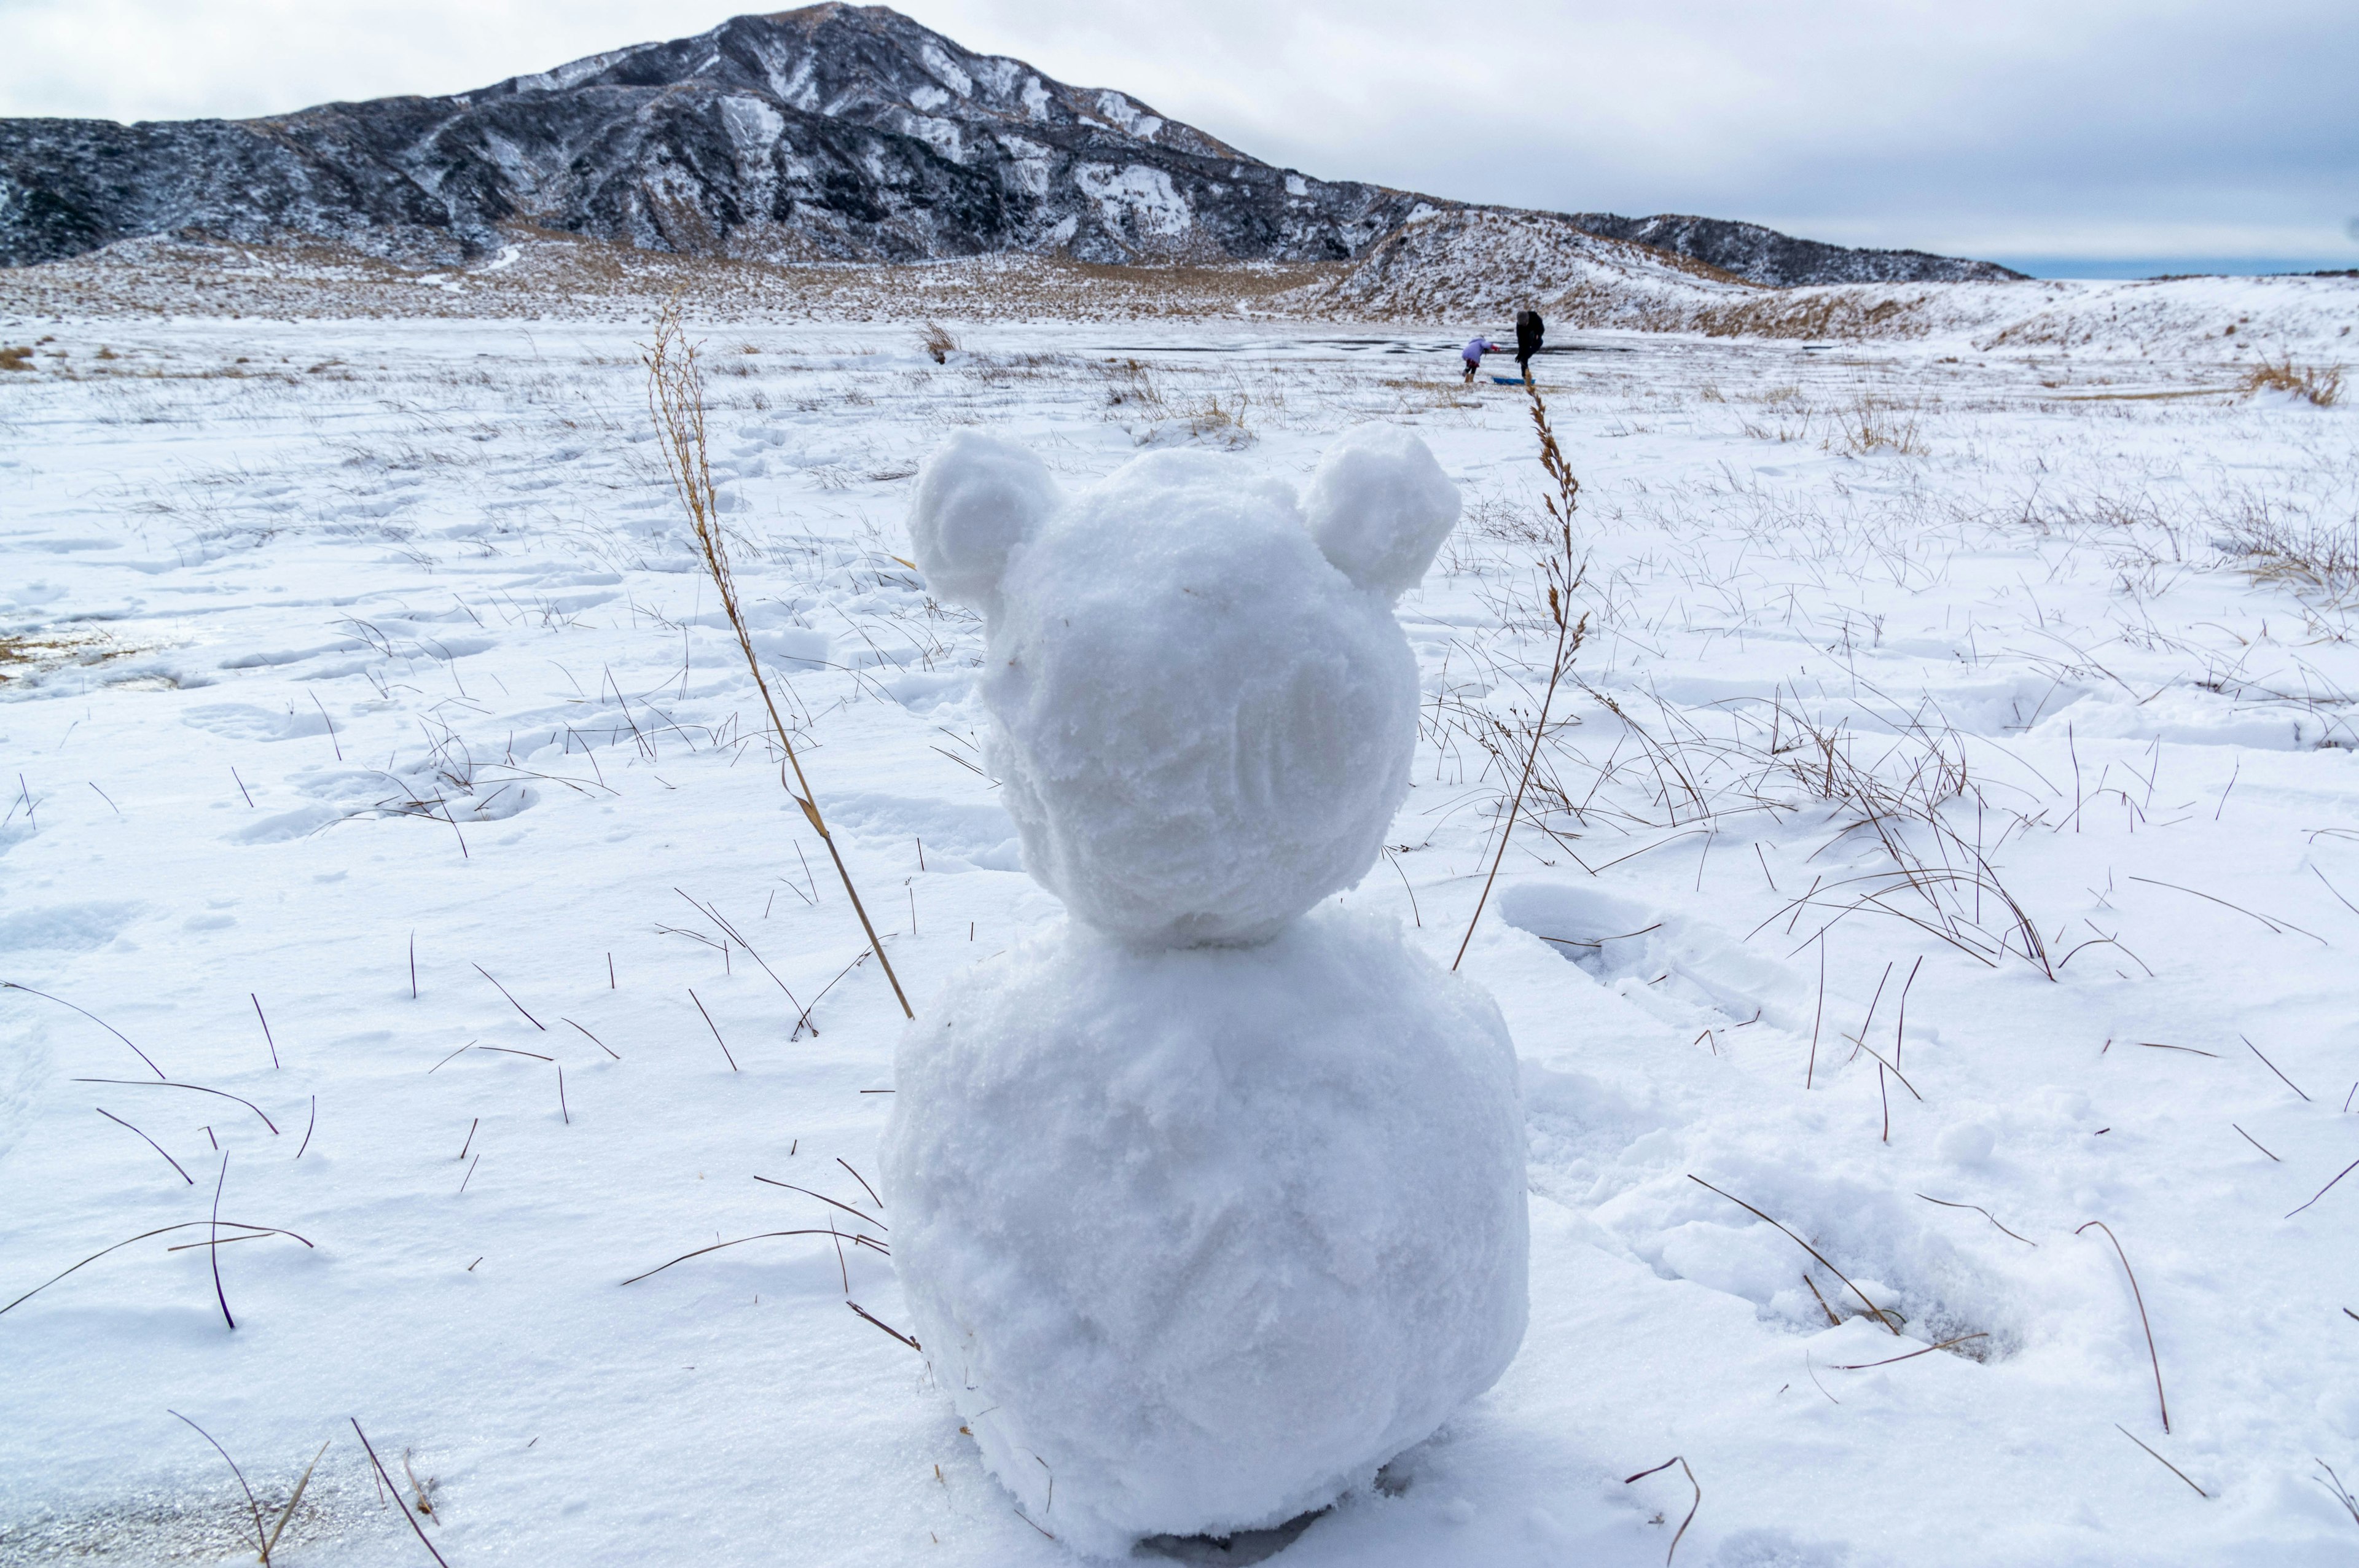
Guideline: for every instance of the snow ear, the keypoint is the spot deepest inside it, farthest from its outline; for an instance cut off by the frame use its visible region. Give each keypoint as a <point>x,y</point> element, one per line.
<point>1379,507</point>
<point>978,498</point>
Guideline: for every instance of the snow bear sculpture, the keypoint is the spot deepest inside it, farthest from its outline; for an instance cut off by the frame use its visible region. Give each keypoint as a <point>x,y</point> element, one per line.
<point>1202,708</point>
<point>1209,1201</point>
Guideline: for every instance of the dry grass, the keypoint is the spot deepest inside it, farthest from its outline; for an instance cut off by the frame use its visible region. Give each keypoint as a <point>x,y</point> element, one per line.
<point>384,1476</point>
<point>938,343</point>
<point>212,1226</point>
<point>2342,1494</point>
<point>2312,383</point>
<point>1887,1321</point>
<point>1828,313</point>
<point>676,399</point>
<point>1870,423</point>
<point>1697,1503</point>
<point>564,275</point>
<point>1219,416</point>
<point>2278,540</point>
<point>34,651</point>
<point>1898,804</point>
<point>2139,1297</point>
<point>1213,419</point>
<point>1131,385</point>
<point>2311,555</point>
<point>1899,794</point>
<point>1561,573</point>
<point>266,1541</point>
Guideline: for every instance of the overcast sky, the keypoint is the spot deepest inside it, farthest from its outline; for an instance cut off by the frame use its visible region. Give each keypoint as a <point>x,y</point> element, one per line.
<point>2123,130</point>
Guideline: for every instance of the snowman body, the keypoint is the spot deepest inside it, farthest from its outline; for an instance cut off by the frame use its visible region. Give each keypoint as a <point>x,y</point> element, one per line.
<point>1208,1200</point>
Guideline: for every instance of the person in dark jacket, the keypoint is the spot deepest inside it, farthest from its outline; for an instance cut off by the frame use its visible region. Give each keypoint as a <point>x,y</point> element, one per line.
<point>1530,330</point>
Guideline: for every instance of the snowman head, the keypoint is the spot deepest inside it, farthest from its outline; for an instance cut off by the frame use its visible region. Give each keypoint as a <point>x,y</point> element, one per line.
<point>1202,708</point>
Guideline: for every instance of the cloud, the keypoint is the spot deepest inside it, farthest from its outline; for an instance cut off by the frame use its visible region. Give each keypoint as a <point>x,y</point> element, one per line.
<point>2062,127</point>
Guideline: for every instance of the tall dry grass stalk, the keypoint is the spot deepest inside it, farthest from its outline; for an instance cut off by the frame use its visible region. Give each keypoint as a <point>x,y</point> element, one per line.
<point>676,398</point>
<point>1562,572</point>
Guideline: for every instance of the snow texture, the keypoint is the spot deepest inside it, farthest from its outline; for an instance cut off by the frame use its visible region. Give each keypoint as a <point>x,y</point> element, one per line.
<point>1204,1235</point>
<point>1202,725</point>
<point>977,500</point>
<point>1379,507</point>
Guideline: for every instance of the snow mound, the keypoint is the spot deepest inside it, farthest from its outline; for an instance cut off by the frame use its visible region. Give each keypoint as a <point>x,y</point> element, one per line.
<point>1149,1209</point>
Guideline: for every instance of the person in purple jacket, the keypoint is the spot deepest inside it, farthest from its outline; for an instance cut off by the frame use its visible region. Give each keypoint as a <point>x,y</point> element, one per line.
<point>1473,354</point>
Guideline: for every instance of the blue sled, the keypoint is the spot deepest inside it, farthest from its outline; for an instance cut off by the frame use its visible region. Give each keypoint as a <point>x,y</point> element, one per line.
<point>1507,381</point>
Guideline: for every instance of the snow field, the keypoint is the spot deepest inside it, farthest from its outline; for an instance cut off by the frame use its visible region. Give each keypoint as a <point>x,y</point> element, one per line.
<point>437,594</point>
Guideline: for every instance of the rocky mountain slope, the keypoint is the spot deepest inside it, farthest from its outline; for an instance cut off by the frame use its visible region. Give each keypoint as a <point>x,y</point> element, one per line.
<point>1485,264</point>
<point>834,133</point>
<point>831,133</point>
<point>1764,255</point>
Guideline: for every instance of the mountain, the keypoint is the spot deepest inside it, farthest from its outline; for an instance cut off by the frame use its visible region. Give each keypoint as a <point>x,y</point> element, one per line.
<point>834,133</point>
<point>1764,255</point>
<point>1477,263</point>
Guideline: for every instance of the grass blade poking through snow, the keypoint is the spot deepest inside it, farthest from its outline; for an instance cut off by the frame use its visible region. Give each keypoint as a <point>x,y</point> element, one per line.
<point>888,1328</point>
<point>252,1506</point>
<point>1563,576</point>
<point>184,1225</point>
<point>292,1503</point>
<point>2333,1483</point>
<point>2158,1459</point>
<point>676,398</point>
<point>13,986</point>
<point>1874,1311</point>
<point>150,1141</point>
<point>396,1494</point>
<point>1679,1460</point>
<point>2329,1187</point>
<point>717,1246</point>
<point>2152,1354</point>
<point>212,1233</point>
<point>167,1083</point>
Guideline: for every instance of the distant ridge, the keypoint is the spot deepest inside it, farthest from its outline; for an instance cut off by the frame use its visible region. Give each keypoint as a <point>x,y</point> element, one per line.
<point>834,133</point>
<point>1764,255</point>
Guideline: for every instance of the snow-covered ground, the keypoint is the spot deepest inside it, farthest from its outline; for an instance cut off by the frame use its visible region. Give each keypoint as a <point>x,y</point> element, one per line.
<point>1952,840</point>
